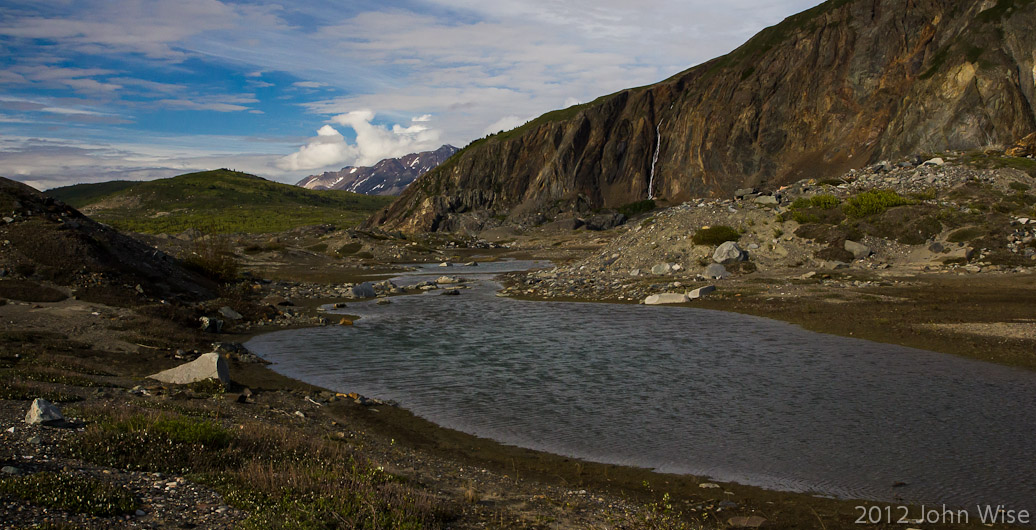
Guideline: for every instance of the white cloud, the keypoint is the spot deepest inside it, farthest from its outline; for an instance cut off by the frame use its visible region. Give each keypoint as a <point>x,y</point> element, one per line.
<point>309,84</point>
<point>330,149</point>
<point>504,124</point>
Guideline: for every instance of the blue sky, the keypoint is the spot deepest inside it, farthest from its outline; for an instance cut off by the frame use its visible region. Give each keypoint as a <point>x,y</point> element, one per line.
<point>138,89</point>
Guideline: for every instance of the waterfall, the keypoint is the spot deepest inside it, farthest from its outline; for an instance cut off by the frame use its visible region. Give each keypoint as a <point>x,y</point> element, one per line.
<point>654,160</point>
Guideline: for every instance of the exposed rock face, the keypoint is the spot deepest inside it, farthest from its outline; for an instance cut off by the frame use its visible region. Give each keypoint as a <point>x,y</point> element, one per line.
<point>388,177</point>
<point>839,86</point>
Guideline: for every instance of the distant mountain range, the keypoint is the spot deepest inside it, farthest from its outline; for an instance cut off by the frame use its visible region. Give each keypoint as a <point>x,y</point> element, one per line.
<point>388,177</point>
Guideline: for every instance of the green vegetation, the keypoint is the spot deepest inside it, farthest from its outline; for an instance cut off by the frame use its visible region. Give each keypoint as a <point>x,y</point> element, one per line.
<point>982,160</point>
<point>715,235</point>
<point>79,195</point>
<point>282,477</point>
<point>873,202</point>
<point>963,235</point>
<point>71,492</point>
<point>212,257</point>
<point>636,208</point>
<point>219,202</point>
<point>823,201</point>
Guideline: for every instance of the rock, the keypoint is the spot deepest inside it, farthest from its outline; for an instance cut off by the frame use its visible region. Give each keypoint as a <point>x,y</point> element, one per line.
<point>746,521</point>
<point>708,486</point>
<point>716,271</point>
<point>833,265</point>
<point>229,313</point>
<point>605,221</point>
<point>728,253</point>
<point>245,396</point>
<point>345,322</point>
<point>140,513</point>
<point>471,264</point>
<point>959,253</point>
<point>275,300</point>
<point>662,268</point>
<point>859,250</point>
<point>1025,147</point>
<point>700,292</point>
<point>211,365</point>
<point>808,275</point>
<point>635,272</point>
<point>212,325</point>
<point>447,280</point>
<point>936,248</point>
<point>727,504</point>
<point>384,301</point>
<point>935,162</point>
<point>364,290</point>
<point>665,298</point>
<point>766,200</point>
<point>451,292</point>
<point>42,411</point>
<point>739,194</point>
<point>445,264</point>
<point>10,470</point>
<point>35,440</point>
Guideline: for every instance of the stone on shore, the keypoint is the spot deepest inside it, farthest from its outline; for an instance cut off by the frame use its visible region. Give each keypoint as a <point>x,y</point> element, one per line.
<point>212,325</point>
<point>447,280</point>
<point>665,298</point>
<point>229,313</point>
<point>716,272</point>
<point>43,411</point>
<point>858,250</point>
<point>700,292</point>
<point>211,365</point>
<point>728,253</point>
<point>746,521</point>
<point>364,290</point>
<point>664,268</point>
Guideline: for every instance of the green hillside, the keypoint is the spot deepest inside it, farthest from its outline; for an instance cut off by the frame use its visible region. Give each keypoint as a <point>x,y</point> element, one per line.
<point>219,201</point>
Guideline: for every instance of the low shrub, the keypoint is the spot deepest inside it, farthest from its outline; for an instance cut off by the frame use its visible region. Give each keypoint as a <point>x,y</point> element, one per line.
<point>71,492</point>
<point>873,202</point>
<point>636,208</point>
<point>824,201</point>
<point>715,235</point>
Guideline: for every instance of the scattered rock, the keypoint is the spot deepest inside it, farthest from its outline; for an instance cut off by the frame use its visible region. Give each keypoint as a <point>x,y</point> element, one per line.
<point>708,486</point>
<point>447,280</point>
<point>663,268</point>
<point>766,200</point>
<point>728,253</point>
<point>716,272</point>
<point>43,411</point>
<point>345,322</point>
<point>384,301</point>
<point>741,193</point>
<point>211,325</point>
<point>228,313</point>
<point>665,298</point>
<point>964,253</point>
<point>936,247</point>
<point>700,292</point>
<point>451,292</point>
<point>209,366</point>
<point>938,162</point>
<point>859,251</point>
<point>749,521</point>
<point>364,290</point>
<point>833,265</point>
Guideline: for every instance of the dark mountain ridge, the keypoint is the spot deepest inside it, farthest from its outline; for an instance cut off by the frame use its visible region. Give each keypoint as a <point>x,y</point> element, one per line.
<point>839,86</point>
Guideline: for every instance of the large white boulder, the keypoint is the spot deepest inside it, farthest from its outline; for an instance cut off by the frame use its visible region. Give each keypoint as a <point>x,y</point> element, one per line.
<point>728,253</point>
<point>42,411</point>
<point>700,292</point>
<point>211,365</point>
<point>665,298</point>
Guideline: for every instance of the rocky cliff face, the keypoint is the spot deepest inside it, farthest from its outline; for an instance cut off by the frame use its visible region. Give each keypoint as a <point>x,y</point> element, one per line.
<point>388,177</point>
<point>839,86</point>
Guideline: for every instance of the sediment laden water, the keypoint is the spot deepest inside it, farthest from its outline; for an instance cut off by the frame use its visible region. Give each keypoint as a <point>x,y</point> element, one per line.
<point>680,390</point>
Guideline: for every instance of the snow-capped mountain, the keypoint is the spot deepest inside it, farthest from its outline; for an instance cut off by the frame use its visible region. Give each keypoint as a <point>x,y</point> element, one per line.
<point>387,177</point>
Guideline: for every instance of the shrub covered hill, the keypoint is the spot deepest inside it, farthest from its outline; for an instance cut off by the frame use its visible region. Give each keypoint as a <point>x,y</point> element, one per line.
<point>219,201</point>
<point>837,87</point>
<point>48,242</point>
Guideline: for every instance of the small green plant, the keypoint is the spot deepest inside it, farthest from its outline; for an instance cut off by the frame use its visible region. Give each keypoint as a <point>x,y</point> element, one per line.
<point>715,235</point>
<point>636,208</point>
<point>874,202</point>
<point>824,202</point>
<point>963,235</point>
<point>777,232</point>
<point>71,492</point>
<point>1018,186</point>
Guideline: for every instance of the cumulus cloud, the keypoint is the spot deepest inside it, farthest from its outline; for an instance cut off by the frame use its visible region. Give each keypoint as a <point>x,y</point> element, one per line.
<point>309,84</point>
<point>330,149</point>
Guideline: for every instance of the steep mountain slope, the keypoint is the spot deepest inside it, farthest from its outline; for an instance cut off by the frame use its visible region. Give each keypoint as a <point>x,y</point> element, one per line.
<point>388,177</point>
<point>219,201</point>
<point>47,240</point>
<point>841,85</point>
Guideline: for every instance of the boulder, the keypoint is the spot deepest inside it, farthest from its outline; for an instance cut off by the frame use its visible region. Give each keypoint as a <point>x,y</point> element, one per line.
<point>447,280</point>
<point>858,250</point>
<point>728,253</point>
<point>662,268</point>
<point>834,265</point>
<point>936,247</point>
<point>665,298</point>
<point>228,313</point>
<point>716,271</point>
<point>700,292</point>
<point>451,292</point>
<point>209,366</point>
<point>605,221</point>
<point>935,162</point>
<point>364,290</point>
<point>766,200</point>
<point>741,193</point>
<point>959,253</point>
<point>212,325</point>
<point>42,411</point>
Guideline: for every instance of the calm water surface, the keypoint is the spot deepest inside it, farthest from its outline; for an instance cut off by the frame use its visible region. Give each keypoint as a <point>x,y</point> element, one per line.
<point>680,390</point>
